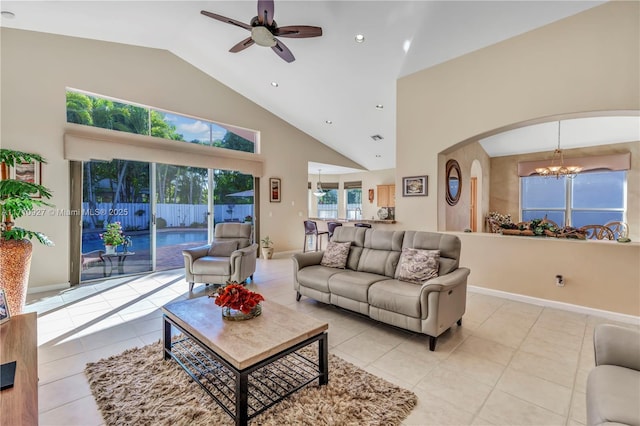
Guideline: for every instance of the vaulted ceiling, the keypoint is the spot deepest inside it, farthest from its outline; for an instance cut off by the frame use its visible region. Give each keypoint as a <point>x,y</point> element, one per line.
<point>332,88</point>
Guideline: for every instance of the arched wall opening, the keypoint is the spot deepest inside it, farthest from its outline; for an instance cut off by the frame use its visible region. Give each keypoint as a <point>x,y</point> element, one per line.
<point>500,181</point>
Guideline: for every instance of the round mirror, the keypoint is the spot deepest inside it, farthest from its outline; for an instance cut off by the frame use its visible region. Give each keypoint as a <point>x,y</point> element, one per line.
<point>453,179</point>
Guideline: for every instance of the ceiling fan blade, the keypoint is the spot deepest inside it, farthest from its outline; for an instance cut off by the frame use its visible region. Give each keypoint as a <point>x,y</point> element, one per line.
<point>283,51</point>
<point>298,31</point>
<point>242,45</point>
<point>227,20</point>
<point>265,12</point>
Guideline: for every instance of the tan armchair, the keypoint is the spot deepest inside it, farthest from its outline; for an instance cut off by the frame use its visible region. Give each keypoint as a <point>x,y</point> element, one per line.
<point>231,256</point>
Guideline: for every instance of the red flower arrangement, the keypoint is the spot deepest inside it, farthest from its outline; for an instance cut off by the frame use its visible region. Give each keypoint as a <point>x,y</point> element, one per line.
<point>236,296</point>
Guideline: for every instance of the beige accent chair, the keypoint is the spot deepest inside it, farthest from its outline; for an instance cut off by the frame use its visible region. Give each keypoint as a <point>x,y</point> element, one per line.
<point>613,386</point>
<point>231,256</point>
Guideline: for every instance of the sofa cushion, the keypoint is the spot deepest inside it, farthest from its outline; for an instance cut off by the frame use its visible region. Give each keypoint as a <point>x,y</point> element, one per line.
<point>417,266</point>
<point>353,285</point>
<point>335,255</point>
<point>222,248</point>
<point>316,277</point>
<point>613,393</point>
<point>355,236</point>
<point>396,296</point>
<point>449,246</point>
<point>209,265</point>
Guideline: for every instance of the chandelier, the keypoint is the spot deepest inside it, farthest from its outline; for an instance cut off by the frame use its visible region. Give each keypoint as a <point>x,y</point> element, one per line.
<point>557,167</point>
<point>319,192</point>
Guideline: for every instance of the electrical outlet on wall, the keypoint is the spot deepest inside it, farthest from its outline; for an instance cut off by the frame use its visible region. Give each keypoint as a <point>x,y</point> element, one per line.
<point>559,280</point>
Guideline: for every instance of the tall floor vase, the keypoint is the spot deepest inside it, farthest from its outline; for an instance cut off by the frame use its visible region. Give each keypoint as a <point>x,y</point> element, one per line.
<point>15,263</point>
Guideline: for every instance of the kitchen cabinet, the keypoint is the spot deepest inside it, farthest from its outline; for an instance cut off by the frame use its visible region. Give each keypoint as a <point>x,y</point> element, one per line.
<point>386,195</point>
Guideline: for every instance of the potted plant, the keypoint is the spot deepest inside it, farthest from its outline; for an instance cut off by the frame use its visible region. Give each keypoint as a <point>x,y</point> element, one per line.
<point>267,247</point>
<point>17,199</point>
<point>112,237</point>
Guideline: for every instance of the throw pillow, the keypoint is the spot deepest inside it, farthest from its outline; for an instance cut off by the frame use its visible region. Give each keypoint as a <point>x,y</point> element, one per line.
<point>222,248</point>
<point>417,266</point>
<point>335,255</point>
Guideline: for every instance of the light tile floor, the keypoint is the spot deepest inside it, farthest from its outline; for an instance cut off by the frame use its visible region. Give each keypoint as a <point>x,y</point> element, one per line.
<point>510,363</point>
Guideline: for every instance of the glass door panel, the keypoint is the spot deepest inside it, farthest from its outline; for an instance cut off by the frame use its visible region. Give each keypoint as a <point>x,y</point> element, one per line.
<point>115,192</point>
<point>233,197</point>
<point>182,212</point>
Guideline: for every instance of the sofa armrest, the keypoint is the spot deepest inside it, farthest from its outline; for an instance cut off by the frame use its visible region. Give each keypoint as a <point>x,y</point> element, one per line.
<point>302,260</point>
<point>616,345</point>
<point>192,254</point>
<point>445,282</point>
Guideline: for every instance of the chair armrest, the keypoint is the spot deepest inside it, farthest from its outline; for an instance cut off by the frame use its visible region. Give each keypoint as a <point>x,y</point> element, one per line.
<point>245,251</point>
<point>302,260</point>
<point>192,254</point>
<point>616,345</point>
<point>243,262</point>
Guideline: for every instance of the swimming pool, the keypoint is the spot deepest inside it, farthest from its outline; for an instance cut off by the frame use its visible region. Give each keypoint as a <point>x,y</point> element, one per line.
<point>141,239</point>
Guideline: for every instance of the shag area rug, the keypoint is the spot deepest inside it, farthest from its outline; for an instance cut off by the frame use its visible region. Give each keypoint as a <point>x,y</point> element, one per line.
<point>138,387</point>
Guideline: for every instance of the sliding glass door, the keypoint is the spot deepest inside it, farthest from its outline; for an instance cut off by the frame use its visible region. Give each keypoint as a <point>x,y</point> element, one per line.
<point>158,211</point>
<point>115,194</point>
<point>181,212</point>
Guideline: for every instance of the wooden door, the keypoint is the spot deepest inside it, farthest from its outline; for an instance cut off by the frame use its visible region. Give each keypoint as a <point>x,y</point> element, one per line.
<point>473,206</point>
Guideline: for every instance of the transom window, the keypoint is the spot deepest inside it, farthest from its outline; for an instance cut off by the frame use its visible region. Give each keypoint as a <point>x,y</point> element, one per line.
<point>106,113</point>
<point>592,198</point>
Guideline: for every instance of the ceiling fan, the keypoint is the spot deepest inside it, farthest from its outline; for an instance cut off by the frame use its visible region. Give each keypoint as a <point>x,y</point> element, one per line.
<point>264,31</point>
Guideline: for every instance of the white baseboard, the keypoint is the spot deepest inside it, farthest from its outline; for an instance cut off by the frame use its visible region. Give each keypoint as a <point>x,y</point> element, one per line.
<point>614,316</point>
<point>52,287</point>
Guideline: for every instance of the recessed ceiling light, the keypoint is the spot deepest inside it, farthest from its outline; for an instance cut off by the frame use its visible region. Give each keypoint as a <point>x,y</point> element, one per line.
<point>7,14</point>
<point>328,121</point>
<point>274,84</point>
<point>359,38</point>
<point>379,106</point>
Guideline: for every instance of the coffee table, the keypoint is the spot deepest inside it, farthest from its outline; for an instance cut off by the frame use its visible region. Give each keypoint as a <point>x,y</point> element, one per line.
<point>246,366</point>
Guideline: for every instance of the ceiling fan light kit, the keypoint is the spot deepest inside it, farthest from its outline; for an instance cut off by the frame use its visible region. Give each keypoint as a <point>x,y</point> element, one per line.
<point>264,31</point>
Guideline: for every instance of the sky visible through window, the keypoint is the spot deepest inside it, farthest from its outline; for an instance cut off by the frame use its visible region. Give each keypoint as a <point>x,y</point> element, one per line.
<point>194,129</point>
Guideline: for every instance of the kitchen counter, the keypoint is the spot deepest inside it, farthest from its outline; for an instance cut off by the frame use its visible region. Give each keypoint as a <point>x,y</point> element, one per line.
<point>349,221</point>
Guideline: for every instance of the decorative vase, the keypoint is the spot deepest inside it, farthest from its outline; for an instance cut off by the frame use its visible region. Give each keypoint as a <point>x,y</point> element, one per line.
<point>109,249</point>
<point>15,263</point>
<point>267,252</point>
<point>230,314</point>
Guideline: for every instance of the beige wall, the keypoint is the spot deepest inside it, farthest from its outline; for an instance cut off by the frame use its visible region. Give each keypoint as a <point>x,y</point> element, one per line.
<point>505,184</point>
<point>586,63</point>
<point>458,217</point>
<point>36,70</point>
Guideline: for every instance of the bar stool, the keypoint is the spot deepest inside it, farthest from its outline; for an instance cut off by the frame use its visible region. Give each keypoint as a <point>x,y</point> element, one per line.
<point>332,226</point>
<point>311,228</point>
<point>362,225</point>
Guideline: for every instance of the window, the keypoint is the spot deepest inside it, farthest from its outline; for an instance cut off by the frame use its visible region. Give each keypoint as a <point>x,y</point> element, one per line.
<point>592,198</point>
<point>353,199</point>
<point>95,111</point>
<point>328,204</point>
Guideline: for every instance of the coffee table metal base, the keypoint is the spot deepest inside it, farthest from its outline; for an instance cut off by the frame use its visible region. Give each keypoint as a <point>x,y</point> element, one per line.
<point>243,394</point>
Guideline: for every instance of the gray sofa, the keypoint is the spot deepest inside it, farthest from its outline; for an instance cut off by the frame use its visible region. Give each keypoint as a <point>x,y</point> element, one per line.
<point>613,386</point>
<point>367,284</point>
<point>231,256</point>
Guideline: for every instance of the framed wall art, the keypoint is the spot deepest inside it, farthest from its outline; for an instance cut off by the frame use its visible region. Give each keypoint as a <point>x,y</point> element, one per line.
<point>275,190</point>
<point>28,172</point>
<point>413,186</point>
